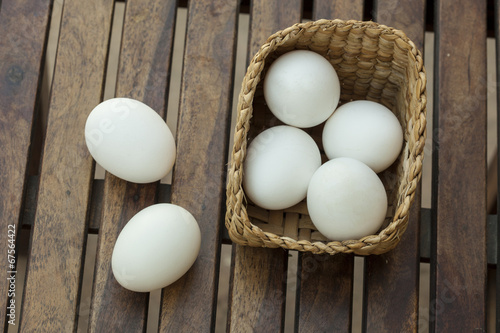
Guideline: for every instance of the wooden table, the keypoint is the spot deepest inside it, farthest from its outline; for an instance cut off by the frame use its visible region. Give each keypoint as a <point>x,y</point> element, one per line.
<point>54,195</point>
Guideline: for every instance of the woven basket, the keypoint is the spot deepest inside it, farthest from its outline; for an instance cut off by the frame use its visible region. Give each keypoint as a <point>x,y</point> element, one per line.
<point>373,62</point>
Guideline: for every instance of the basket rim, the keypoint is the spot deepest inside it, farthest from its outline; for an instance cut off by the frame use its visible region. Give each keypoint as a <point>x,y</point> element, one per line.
<point>242,229</point>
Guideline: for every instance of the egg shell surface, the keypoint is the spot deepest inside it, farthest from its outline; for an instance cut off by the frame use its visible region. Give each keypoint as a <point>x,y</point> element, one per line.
<point>366,131</point>
<point>280,162</point>
<point>346,200</point>
<point>130,140</point>
<point>301,88</point>
<point>155,248</point>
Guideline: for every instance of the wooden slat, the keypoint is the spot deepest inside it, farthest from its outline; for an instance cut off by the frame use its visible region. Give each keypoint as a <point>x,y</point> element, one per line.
<point>406,15</point>
<point>113,308</point>
<point>23,31</point>
<point>198,184</point>
<point>267,17</point>
<point>257,290</point>
<point>146,45</point>
<point>392,282</point>
<point>327,282</point>
<point>344,10</point>
<point>58,236</point>
<point>258,276</point>
<point>458,263</point>
<point>395,308</point>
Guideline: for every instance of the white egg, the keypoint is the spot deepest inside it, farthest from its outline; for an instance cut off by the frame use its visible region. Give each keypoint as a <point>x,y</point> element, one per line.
<point>130,140</point>
<point>279,164</point>
<point>366,131</point>
<point>346,200</point>
<point>301,88</point>
<point>155,248</point>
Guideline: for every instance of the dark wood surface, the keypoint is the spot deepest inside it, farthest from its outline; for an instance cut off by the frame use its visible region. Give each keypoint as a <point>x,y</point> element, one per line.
<point>325,293</point>
<point>21,62</point>
<point>344,10</point>
<point>257,290</point>
<point>68,203</point>
<point>458,272</point>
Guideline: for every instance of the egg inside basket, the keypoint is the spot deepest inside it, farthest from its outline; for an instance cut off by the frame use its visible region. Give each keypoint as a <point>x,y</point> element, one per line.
<point>373,62</point>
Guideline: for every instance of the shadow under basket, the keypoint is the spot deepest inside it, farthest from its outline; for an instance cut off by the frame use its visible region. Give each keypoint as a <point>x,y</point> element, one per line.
<point>374,62</point>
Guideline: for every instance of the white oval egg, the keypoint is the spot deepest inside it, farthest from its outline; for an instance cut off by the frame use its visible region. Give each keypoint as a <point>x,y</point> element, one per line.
<point>130,140</point>
<point>280,162</point>
<point>301,88</point>
<point>346,200</point>
<point>155,248</point>
<point>366,131</point>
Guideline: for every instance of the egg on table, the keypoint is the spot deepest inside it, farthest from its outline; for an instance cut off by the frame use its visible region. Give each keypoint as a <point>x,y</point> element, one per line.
<point>280,162</point>
<point>155,248</point>
<point>301,88</point>
<point>130,140</point>
<point>346,200</point>
<point>366,131</point>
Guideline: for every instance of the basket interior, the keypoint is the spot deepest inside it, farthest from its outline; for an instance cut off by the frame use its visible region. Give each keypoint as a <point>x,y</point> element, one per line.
<point>372,64</point>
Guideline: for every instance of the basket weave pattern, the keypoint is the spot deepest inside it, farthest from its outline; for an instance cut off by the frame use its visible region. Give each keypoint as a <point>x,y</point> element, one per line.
<point>373,62</point>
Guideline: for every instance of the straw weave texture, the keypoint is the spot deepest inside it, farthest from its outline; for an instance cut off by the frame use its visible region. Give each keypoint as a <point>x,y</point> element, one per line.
<point>373,62</point>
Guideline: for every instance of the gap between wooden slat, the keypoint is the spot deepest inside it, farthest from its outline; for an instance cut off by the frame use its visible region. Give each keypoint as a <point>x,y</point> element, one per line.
<point>357,294</point>
<point>291,290</point>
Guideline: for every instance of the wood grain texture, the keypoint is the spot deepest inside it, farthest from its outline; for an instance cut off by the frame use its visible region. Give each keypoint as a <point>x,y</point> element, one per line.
<point>391,282</point>
<point>23,27</point>
<point>53,280</point>
<point>258,276</point>
<point>405,15</point>
<point>344,10</point>
<point>113,308</point>
<point>268,17</point>
<point>392,279</point>
<point>458,262</point>
<point>202,145</point>
<point>327,282</point>
<point>325,293</point>
<point>257,290</point>
<point>142,75</point>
